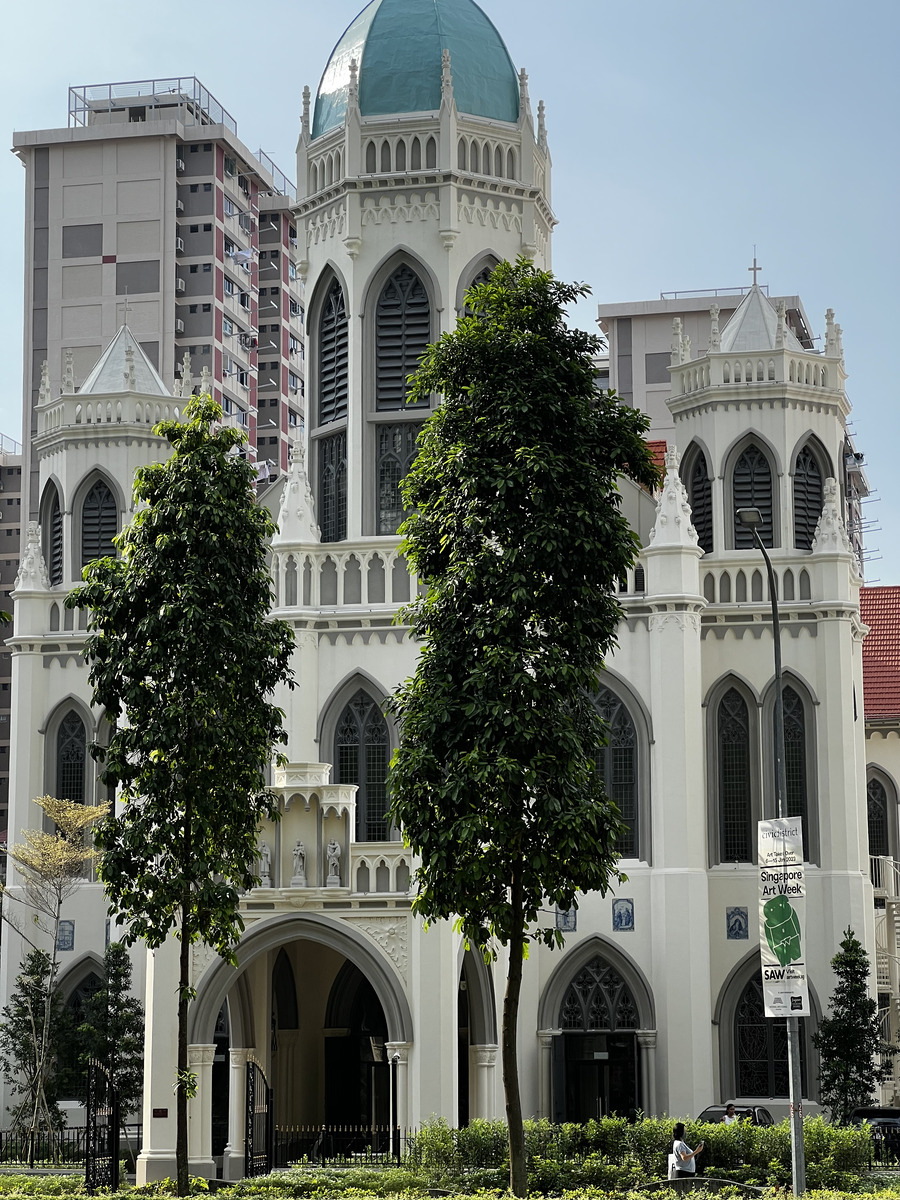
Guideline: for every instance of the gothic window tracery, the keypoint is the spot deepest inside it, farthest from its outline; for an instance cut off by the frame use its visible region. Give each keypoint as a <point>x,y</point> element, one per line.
<point>617,761</point>
<point>71,756</point>
<point>734,783</point>
<point>760,1044</point>
<point>333,487</point>
<point>598,998</point>
<point>877,814</point>
<point>362,751</point>
<point>397,450</point>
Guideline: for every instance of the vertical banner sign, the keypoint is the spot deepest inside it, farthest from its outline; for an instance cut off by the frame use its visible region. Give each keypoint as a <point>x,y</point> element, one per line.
<point>782,918</point>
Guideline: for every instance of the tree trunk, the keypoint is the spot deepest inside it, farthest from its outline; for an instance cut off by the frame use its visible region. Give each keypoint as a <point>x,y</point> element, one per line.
<point>181,1091</point>
<point>518,1171</point>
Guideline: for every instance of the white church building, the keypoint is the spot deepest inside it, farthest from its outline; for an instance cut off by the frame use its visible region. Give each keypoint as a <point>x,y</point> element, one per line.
<point>420,165</point>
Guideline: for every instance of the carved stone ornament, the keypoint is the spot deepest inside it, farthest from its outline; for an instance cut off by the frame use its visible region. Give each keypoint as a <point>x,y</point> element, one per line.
<point>390,934</point>
<point>32,576</point>
<point>297,513</point>
<point>831,534</point>
<point>673,512</point>
<point>201,958</point>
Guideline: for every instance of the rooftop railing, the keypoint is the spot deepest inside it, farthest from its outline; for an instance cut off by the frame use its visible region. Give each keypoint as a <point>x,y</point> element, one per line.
<point>198,106</point>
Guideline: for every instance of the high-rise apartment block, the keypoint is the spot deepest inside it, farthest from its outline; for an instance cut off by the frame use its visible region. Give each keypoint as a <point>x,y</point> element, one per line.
<point>149,209</point>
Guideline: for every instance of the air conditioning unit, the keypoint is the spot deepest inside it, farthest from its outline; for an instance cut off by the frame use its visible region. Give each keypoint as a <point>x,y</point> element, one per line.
<point>179,245</point>
<point>179,325</point>
<point>179,284</point>
<point>179,164</point>
<point>179,206</point>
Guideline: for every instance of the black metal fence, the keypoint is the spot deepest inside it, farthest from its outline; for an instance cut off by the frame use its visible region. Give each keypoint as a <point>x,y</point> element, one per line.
<point>66,1148</point>
<point>340,1145</point>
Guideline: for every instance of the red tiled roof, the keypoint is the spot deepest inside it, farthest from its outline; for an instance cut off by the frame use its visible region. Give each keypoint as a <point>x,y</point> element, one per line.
<point>658,450</point>
<point>880,610</point>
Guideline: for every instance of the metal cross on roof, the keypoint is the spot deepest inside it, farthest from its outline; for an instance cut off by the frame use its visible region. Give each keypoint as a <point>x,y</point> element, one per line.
<point>755,269</point>
<point>124,304</point>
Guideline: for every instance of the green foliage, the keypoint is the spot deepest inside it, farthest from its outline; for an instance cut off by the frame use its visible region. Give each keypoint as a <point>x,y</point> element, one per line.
<point>517,531</point>
<point>183,660</point>
<point>113,1028</point>
<point>854,1057</point>
<point>30,1036</point>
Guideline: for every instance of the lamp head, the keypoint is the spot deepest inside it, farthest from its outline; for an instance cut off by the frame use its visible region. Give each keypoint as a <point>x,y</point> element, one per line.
<point>751,517</point>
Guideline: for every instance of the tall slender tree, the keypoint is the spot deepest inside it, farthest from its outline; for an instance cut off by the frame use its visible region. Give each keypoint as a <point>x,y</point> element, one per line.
<point>516,529</point>
<point>52,866</point>
<point>184,659</point>
<point>854,1055</point>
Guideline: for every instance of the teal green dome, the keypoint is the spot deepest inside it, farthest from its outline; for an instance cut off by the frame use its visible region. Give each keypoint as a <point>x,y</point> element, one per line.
<point>398,45</point>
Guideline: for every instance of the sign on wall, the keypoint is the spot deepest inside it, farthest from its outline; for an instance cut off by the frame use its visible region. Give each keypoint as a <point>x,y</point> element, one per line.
<point>782,917</point>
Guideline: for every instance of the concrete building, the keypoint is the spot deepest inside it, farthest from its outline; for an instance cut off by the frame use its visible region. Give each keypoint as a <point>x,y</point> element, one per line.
<point>421,163</point>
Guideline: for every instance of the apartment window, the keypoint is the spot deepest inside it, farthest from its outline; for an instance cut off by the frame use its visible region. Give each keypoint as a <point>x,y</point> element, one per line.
<point>192,308</point>
<point>207,146</point>
<point>230,289</point>
<point>207,187</point>
<point>195,187</point>
<point>231,209</point>
<point>263,291</point>
<point>206,308</point>
<point>207,267</point>
<point>195,229</point>
<point>193,268</point>
<point>293,381</point>
<point>230,166</point>
<point>194,148</point>
<point>207,226</point>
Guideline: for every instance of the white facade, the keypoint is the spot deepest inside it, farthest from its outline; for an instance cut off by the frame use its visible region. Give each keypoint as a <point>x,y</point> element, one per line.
<point>651,1003</point>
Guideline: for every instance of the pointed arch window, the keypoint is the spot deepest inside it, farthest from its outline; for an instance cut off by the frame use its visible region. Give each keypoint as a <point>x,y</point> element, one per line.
<point>284,994</point>
<point>361,754</point>
<point>71,757</point>
<point>618,764</point>
<point>598,998</point>
<point>795,759</point>
<point>99,523</point>
<point>397,450</point>
<point>760,1045</point>
<point>877,812</point>
<point>699,488</point>
<point>734,780</point>
<point>333,355</point>
<point>808,498</point>
<point>752,488</point>
<point>482,277</point>
<point>402,332</point>
<point>333,487</point>
<point>54,539</point>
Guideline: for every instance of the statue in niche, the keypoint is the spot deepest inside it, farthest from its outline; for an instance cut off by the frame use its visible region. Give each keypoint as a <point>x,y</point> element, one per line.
<point>333,861</point>
<point>299,877</point>
<point>265,865</point>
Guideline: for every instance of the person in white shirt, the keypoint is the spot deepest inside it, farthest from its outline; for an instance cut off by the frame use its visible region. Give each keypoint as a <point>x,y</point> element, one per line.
<point>731,1116</point>
<point>685,1157</point>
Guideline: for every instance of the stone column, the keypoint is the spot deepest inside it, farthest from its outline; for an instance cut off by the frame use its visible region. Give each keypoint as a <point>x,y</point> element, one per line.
<point>200,1061</point>
<point>647,1042</point>
<point>157,1158</point>
<point>483,1062</point>
<point>545,1073</point>
<point>399,1052</point>
<point>233,1158</point>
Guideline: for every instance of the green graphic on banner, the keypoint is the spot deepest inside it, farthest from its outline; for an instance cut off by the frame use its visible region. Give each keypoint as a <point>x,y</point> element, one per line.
<point>782,927</point>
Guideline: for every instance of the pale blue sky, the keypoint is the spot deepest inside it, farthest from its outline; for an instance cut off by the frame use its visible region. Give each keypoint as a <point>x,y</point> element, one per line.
<point>681,135</point>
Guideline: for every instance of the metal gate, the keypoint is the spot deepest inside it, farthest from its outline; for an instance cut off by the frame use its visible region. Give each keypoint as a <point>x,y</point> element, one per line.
<point>101,1150</point>
<point>259,1144</point>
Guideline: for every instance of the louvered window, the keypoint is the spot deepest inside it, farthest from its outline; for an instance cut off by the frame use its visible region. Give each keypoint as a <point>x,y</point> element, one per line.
<point>752,486</point>
<point>808,497</point>
<point>877,808</point>
<point>733,736</point>
<point>99,523</point>
<point>402,332</point>
<point>617,761</point>
<point>333,487</point>
<point>333,356</point>
<point>55,541</point>
<point>397,450</point>
<point>71,746</point>
<point>361,753</point>
<point>700,497</point>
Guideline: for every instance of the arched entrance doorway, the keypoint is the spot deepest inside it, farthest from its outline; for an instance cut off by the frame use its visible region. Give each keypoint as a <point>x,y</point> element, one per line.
<point>598,1065</point>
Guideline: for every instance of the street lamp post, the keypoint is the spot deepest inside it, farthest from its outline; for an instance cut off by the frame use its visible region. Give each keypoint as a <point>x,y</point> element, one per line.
<point>751,518</point>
